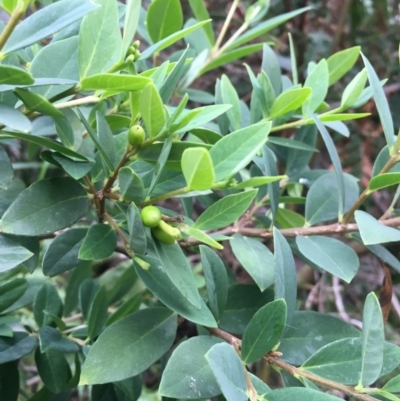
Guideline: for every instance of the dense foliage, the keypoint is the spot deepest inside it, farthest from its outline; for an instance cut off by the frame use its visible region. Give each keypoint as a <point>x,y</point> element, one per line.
<point>152,233</point>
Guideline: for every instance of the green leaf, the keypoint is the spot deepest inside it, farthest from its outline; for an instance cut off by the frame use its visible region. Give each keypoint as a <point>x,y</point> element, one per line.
<point>99,243</point>
<point>130,346</point>
<point>230,96</point>
<point>200,12</point>
<point>64,65</point>
<point>44,142</point>
<point>12,349</point>
<point>62,253</point>
<point>12,253</point>
<point>235,151</point>
<point>106,138</point>
<point>171,39</point>
<point>354,90</point>
<point>393,385</point>
<point>164,17</point>
<point>75,168</point>
<point>225,211</point>
<point>373,340</point>
<point>87,292</point>
<point>381,104</point>
<point>331,255</point>
<point>318,81</point>
<point>99,34</point>
<point>11,75</point>
<point>291,143</point>
<point>340,361</point>
<point>269,168</point>
<point>51,339</point>
<point>198,169</point>
<point>200,236</point>
<point>11,291</point>
<point>35,102</point>
<point>216,280</point>
<point>299,342</point>
<point>285,274</point>
<point>298,394</point>
<point>264,331</point>
<point>132,14</point>
<point>228,371</point>
<point>335,160</point>
<point>179,271</point>
<point>97,313</point>
<point>53,369</point>
<point>384,180</point>
<point>131,186</point>
<point>9,381</point>
<point>374,232</point>
<point>287,218</point>
<point>14,119</point>
<point>137,233</point>
<point>62,198</point>
<point>6,169</point>
<point>342,62</point>
<point>159,283</point>
<point>289,100</point>
<point>256,259</point>
<point>266,26</point>
<point>47,21</point>
<point>243,302</point>
<point>230,56</point>
<point>152,110</point>
<point>47,301</point>
<point>188,374</point>
<point>326,118</point>
<point>258,181</point>
<point>115,82</point>
<point>322,202</point>
<point>103,152</point>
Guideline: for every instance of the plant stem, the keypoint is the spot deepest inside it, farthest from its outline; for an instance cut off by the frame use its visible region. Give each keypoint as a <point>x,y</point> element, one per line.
<point>349,215</point>
<point>78,102</point>
<point>224,28</point>
<point>274,360</point>
<point>16,16</point>
<point>171,194</point>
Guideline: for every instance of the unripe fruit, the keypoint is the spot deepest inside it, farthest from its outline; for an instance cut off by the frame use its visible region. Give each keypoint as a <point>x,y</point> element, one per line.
<point>162,236</point>
<point>136,135</point>
<point>151,216</point>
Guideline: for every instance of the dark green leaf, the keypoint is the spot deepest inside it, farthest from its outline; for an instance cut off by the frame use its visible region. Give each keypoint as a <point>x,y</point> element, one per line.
<point>99,243</point>
<point>188,374</point>
<point>225,211</point>
<point>106,138</point>
<point>12,253</point>
<point>264,331</point>
<point>63,199</point>
<point>47,21</point>
<point>285,274</point>
<point>228,371</point>
<point>11,75</point>
<point>19,345</point>
<point>373,340</point>
<point>38,103</point>
<point>131,186</point>
<point>97,313</point>
<point>158,282</point>
<point>87,292</point>
<point>330,254</point>
<point>14,119</point>
<point>52,339</point>
<point>62,253</point>
<point>130,346</point>
<point>11,291</point>
<point>299,342</point>
<point>9,381</point>
<point>216,280</point>
<point>256,258</point>
<point>46,300</point>
<point>299,394</point>
<point>137,233</point>
<point>53,369</point>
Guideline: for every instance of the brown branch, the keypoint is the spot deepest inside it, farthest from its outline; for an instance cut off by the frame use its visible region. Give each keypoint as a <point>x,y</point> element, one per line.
<point>273,359</point>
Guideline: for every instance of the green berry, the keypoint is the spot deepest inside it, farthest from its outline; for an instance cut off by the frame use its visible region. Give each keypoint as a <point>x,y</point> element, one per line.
<point>151,216</point>
<point>136,135</point>
<point>172,231</point>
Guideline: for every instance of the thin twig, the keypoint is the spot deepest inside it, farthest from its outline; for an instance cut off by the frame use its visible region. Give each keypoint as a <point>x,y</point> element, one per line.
<point>16,16</point>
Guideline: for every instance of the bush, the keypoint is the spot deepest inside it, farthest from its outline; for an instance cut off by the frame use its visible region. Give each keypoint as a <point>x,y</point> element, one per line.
<point>168,221</point>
